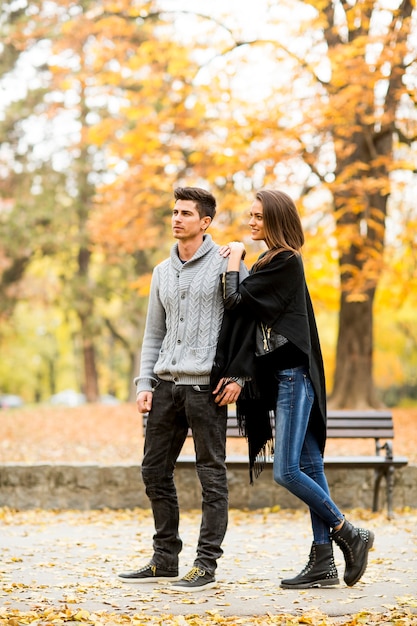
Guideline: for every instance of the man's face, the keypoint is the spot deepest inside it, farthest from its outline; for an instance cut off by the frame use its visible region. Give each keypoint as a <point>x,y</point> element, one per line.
<point>186,221</point>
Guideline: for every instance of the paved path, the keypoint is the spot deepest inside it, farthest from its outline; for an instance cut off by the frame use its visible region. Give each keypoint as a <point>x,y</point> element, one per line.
<point>53,559</point>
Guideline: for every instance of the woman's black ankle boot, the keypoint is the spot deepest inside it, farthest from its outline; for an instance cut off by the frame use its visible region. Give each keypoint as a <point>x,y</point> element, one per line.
<point>320,570</point>
<point>355,544</point>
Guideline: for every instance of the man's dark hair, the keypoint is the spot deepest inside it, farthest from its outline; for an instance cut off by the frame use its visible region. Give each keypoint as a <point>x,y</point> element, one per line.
<point>204,200</point>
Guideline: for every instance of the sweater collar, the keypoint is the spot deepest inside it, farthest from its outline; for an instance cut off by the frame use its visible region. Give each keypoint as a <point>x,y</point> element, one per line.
<point>206,246</point>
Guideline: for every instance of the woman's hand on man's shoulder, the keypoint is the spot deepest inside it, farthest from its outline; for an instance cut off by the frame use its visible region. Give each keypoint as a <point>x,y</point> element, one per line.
<point>235,248</point>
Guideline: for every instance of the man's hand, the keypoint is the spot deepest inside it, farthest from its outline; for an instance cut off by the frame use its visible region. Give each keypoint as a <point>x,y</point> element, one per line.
<point>226,392</point>
<point>144,401</point>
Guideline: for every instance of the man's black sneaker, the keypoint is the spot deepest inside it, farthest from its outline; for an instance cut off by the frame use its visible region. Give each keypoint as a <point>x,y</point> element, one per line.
<point>150,573</point>
<point>196,580</point>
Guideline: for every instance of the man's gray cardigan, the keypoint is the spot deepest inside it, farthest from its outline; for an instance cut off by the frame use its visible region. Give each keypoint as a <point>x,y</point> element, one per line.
<point>185,313</point>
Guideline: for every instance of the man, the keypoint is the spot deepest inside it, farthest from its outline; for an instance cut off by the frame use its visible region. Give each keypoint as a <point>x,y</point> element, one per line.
<point>184,316</point>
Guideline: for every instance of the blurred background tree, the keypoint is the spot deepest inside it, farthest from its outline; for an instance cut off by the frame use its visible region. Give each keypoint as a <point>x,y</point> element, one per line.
<point>110,105</point>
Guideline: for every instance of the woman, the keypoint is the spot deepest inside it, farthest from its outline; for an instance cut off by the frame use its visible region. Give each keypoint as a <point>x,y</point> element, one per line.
<point>270,336</point>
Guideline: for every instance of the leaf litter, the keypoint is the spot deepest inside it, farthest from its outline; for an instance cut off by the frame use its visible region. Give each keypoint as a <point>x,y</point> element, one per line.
<point>81,552</point>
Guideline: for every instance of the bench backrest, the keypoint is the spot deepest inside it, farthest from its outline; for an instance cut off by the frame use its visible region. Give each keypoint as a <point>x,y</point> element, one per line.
<point>341,424</point>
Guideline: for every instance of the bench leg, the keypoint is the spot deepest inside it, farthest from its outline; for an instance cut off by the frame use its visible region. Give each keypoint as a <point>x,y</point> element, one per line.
<point>377,481</point>
<point>390,490</point>
<point>388,472</point>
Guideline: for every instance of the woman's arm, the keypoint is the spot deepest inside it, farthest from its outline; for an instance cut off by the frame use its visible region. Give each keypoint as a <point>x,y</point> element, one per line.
<point>230,279</point>
<point>227,391</point>
<point>237,253</point>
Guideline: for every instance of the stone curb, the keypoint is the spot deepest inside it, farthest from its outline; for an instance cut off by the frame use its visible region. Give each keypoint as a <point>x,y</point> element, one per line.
<point>90,486</point>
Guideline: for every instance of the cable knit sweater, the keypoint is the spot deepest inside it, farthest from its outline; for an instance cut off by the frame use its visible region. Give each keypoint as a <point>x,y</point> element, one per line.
<point>185,313</point>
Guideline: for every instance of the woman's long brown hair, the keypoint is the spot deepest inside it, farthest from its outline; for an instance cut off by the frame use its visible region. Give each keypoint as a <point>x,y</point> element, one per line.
<point>282,225</point>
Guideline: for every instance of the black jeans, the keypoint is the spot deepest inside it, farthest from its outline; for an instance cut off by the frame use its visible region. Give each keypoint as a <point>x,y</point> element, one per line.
<point>175,408</point>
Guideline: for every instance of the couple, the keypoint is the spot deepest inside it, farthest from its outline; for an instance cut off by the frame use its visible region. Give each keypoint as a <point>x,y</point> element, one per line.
<point>216,334</point>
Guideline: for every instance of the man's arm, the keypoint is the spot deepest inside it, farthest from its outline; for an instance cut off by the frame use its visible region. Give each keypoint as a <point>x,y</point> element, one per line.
<point>155,330</point>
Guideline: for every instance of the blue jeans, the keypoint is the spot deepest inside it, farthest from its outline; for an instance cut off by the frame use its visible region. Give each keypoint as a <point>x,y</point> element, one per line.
<point>175,408</point>
<point>298,462</point>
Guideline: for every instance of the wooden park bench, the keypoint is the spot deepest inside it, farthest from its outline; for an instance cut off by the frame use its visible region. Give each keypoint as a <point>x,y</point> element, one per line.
<point>367,424</point>
<point>348,424</point>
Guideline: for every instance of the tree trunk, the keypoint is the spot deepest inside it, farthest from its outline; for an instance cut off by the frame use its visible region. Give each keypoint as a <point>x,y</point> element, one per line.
<point>90,371</point>
<point>360,210</point>
<point>84,285</point>
<point>353,386</point>
<point>363,135</point>
<point>85,310</point>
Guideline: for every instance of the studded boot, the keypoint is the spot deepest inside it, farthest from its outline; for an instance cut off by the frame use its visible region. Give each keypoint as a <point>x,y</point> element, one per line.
<point>320,570</point>
<point>355,544</point>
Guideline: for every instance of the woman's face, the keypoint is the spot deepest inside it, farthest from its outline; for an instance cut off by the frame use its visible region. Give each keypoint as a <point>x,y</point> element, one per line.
<point>256,221</point>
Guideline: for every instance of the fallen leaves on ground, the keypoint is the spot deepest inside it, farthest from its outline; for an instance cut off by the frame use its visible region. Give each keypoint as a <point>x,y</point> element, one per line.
<point>59,567</point>
<point>79,617</point>
<point>110,435</point>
